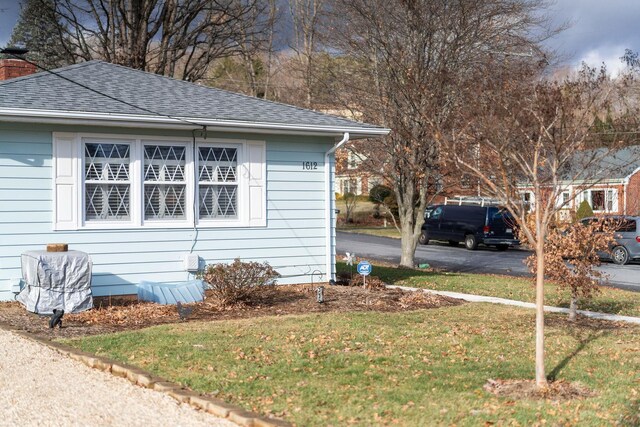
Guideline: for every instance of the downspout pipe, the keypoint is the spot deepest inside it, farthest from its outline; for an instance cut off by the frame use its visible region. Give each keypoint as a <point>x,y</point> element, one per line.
<point>328,206</point>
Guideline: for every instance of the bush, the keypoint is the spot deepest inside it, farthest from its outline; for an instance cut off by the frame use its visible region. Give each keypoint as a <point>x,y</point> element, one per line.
<point>235,282</point>
<point>378,193</point>
<point>350,202</point>
<point>584,210</point>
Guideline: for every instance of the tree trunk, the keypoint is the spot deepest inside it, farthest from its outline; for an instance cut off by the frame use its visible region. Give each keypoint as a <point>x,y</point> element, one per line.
<point>541,379</point>
<point>573,307</point>
<point>408,242</point>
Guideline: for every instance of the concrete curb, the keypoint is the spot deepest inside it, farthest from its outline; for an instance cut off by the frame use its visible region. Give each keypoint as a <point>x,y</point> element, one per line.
<point>504,301</point>
<point>145,379</point>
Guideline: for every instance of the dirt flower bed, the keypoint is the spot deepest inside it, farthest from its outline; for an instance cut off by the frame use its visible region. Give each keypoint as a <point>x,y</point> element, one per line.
<point>526,389</point>
<point>122,314</point>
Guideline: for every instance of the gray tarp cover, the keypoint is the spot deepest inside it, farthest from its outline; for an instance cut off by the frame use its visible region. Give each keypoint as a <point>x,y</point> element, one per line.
<point>56,280</point>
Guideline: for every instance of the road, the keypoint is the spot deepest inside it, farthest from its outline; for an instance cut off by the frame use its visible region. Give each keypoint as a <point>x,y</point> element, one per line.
<point>483,260</point>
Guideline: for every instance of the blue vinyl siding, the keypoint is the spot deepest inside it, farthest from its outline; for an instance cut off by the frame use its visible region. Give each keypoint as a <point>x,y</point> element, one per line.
<point>293,240</point>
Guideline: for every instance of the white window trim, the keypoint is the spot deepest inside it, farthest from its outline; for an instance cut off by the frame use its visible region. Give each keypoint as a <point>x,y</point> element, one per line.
<point>532,199</point>
<point>80,182</point>
<point>560,203</point>
<point>586,195</point>
<point>137,178</point>
<point>189,173</point>
<point>243,180</point>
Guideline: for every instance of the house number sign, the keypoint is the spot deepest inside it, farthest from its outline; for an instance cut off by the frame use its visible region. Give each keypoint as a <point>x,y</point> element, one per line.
<point>309,166</point>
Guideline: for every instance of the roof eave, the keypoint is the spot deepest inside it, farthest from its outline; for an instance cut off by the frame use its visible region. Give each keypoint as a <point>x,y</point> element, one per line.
<point>164,122</point>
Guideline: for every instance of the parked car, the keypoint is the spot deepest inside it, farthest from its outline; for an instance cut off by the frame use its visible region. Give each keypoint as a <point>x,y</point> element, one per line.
<point>627,235</point>
<point>473,225</point>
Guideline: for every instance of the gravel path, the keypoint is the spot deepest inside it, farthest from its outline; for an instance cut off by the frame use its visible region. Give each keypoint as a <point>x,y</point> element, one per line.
<point>40,387</point>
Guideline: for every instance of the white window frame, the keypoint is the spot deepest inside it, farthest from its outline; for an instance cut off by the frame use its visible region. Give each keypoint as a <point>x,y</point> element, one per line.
<point>188,172</point>
<point>242,180</point>
<point>133,195</point>
<point>136,173</point>
<point>532,199</point>
<point>610,197</point>
<point>561,203</point>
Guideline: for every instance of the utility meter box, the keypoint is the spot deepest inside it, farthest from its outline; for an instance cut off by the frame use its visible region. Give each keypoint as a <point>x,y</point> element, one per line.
<point>192,262</point>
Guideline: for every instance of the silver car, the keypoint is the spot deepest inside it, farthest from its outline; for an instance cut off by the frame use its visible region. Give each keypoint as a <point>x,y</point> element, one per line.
<point>627,246</point>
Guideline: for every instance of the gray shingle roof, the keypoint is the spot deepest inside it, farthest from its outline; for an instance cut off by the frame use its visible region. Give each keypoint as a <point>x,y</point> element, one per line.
<point>155,95</point>
<point>604,164</point>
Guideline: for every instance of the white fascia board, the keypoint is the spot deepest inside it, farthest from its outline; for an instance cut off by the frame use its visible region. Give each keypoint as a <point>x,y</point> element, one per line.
<point>163,122</point>
<point>578,182</point>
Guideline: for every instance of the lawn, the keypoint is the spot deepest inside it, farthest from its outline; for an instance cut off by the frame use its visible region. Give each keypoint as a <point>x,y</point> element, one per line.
<point>423,367</point>
<point>609,300</point>
<point>390,231</point>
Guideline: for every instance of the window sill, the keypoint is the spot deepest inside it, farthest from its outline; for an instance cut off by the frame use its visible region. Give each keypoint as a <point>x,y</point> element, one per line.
<point>155,225</point>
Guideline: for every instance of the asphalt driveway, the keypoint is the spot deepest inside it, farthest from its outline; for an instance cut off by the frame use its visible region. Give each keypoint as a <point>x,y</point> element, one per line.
<point>458,259</point>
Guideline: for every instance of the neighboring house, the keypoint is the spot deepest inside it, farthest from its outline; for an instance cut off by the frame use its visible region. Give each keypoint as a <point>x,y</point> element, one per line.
<point>351,177</point>
<point>611,185</point>
<point>139,170</point>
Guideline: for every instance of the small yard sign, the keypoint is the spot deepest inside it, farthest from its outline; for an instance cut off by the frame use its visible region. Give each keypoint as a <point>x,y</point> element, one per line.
<point>364,269</point>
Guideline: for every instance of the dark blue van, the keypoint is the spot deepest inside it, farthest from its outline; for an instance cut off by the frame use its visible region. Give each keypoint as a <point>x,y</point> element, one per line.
<point>473,225</point>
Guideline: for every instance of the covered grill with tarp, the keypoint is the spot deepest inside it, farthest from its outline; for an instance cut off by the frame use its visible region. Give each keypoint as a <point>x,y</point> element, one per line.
<point>56,280</point>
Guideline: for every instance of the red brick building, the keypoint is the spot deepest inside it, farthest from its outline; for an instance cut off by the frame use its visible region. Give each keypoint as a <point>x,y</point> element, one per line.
<point>610,186</point>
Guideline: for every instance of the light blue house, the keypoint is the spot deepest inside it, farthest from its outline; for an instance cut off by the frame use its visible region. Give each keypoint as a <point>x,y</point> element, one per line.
<point>140,170</point>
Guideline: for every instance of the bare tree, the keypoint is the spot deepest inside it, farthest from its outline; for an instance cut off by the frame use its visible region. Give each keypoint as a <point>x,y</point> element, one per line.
<point>308,19</point>
<point>255,41</point>
<point>177,38</point>
<point>538,134</point>
<point>412,65</point>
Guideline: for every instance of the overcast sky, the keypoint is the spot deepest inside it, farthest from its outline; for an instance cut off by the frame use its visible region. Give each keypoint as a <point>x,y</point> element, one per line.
<point>600,30</point>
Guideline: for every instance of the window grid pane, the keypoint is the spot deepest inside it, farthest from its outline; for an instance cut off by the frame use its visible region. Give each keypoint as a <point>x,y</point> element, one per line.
<point>107,202</point>
<point>165,185</point>
<point>107,186</point>
<point>218,201</point>
<point>218,182</point>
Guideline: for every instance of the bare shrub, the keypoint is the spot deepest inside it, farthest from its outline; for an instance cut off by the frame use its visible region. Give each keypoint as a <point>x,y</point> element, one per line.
<point>235,282</point>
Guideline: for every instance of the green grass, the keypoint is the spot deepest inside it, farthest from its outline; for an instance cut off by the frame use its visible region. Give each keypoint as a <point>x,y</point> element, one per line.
<point>373,231</point>
<point>414,368</point>
<point>362,210</point>
<point>522,289</point>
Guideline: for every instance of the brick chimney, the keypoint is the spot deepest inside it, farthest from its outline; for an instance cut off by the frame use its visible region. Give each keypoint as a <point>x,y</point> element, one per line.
<point>12,68</point>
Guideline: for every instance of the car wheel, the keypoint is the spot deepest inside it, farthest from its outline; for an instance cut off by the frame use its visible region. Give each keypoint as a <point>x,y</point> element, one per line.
<point>502,247</point>
<point>424,238</point>
<point>620,255</point>
<point>470,242</point>
<point>453,243</point>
